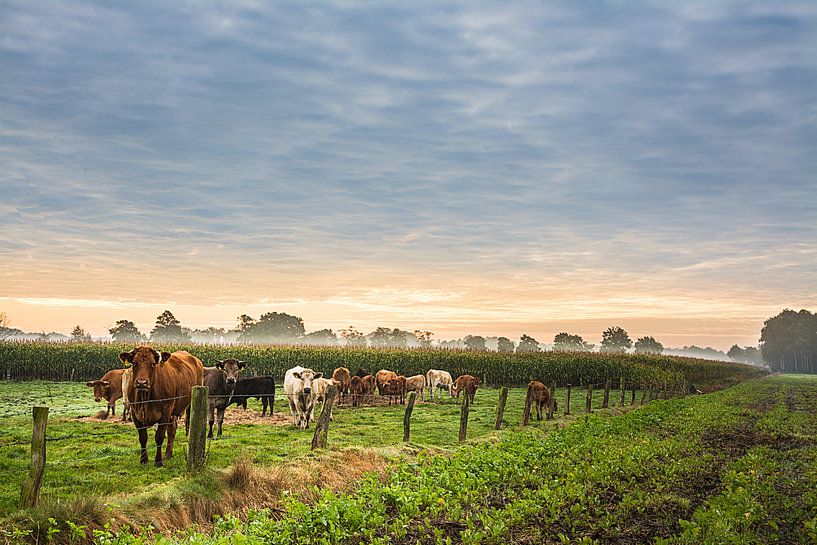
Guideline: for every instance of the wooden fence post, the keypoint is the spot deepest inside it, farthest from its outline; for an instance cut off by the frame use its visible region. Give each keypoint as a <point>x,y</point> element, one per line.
<point>606,401</point>
<point>407,417</point>
<point>500,408</point>
<point>567,401</point>
<point>197,441</point>
<point>588,403</point>
<point>528,404</point>
<point>30,492</point>
<point>464,417</point>
<point>322,425</point>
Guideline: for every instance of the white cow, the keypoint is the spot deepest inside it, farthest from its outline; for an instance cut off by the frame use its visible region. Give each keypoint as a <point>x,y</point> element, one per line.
<point>126,378</point>
<point>436,378</point>
<point>300,394</point>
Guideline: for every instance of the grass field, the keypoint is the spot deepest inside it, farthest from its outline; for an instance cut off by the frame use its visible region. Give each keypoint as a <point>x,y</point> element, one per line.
<point>736,466</point>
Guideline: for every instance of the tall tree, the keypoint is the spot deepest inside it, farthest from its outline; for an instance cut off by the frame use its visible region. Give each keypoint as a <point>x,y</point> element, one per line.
<point>648,345</point>
<point>168,329</point>
<point>383,337</point>
<point>274,327</point>
<point>475,343</point>
<point>571,343</point>
<point>244,323</point>
<point>528,344</point>
<point>322,337</point>
<point>504,344</point>
<point>615,340</point>
<point>423,337</point>
<point>353,337</point>
<point>127,332</point>
<point>79,334</point>
<point>789,342</point>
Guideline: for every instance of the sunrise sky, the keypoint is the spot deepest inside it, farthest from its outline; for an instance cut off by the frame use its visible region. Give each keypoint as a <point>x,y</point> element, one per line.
<point>465,167</point>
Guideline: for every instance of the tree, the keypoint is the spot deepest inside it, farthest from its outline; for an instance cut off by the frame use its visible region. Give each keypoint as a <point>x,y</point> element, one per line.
<point>244,323</point>
<point>789,342</point>
<point>423,337</point>
<point>570,343</point>
<point>79,334</point>
<point>353,337</point>
<point>504,344</point>
<point>648,345</point>
<point>126,331</point>
<point>209,335</point>
<point>322,337</point>
<point>5,326</point>
<point>383,337</point>
<point>274,327</point>
<point>749,354</point>
<point>168,329</point>
<point>528,344</point>
<point>475,343</point>
<point>615,340</point>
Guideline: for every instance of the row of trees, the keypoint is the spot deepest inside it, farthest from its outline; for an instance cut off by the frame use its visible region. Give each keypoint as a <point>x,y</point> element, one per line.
<point>789,342</point>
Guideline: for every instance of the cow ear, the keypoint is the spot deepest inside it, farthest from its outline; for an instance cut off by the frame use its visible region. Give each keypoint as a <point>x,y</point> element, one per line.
<point>164,357</point>
<point>105,382</point>
<point>91,384</point>
<point>126,357</point>
<point>318,375</point>
<point>242,364</point>
<point>297,375</point>
<point>219,364</point>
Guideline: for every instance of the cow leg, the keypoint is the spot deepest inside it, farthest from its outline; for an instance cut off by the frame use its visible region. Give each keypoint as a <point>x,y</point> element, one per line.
<point>264,405</point>
<point>160,439</point>
<point>272,401</point>
<point>125,412</point>
<point>296,417</point>
<point>220,420</point>
<point>143,442</point>
<point>171,438</point>
<point>187,421</point>
<point>210,419</point>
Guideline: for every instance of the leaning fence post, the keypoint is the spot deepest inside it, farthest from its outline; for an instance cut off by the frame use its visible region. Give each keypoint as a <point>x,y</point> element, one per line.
<point>500,408</point>
<point>464,417</point>
<point>588,403</point>
<point>30,493</point>
<point>567,400</point>
<point>197,440</point>
<point>407,417</point>
<point>322,425</point>
<point>606,401</point>
<point>528,404</point>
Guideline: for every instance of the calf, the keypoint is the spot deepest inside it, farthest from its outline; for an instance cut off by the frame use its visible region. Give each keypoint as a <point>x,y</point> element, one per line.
<point>301,398</point>
<point>468,383</point>
<point>369,387</point>
<point>109,388</point>
<point>220,390</point>
<point>343,379</point>
<point>541,397</point>
<point>382,377</point>
<point>357,389</point>
<point>262,388</point>
<point>395,388</point>
<point>319,388</point>
<point>417,383</point>
<point>438,379</point>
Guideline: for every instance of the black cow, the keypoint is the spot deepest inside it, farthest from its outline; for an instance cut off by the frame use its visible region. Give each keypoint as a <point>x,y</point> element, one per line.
<point>361,372</point>
<point>221,383</point>
<point>262,388</point>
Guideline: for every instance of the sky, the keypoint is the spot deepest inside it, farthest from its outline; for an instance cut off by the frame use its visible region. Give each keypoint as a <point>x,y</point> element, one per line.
<point>459,167</point>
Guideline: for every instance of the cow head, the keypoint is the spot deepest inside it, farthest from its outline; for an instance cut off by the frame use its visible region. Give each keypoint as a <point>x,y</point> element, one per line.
<point>307,376</point>
<point>102,389</point>
<point>230,367</point>
<point>143,360</point>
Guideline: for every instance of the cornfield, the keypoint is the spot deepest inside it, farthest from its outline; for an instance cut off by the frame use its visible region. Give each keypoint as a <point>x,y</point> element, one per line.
<point>87,361</point>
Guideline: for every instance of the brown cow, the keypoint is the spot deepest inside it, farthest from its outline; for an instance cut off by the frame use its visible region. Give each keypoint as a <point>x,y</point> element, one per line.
<point>417,383</point>
<point>343,379</point>
<point>382,377</point>
<point>395,388</point>
<point>357,389</point>
<point>369,387</point>
<point>468,383</point>
<point>160,393</point>
<point>541,396</point>
<point>109,388</point>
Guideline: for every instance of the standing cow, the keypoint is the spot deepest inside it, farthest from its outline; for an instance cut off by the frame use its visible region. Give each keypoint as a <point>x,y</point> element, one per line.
<point>382,377</point>
<point>541,397</point>
<point>160,393</point>
<point>438,379</point>
<point>343,379</point>
<point>301,398</point>
<point>417,383</point>
<point>109,388</point>
<point>220,390</point>
<point>466,383</point>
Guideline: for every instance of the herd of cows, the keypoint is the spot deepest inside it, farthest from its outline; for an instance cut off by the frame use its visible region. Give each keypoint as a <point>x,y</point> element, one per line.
<point>156,388</point>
